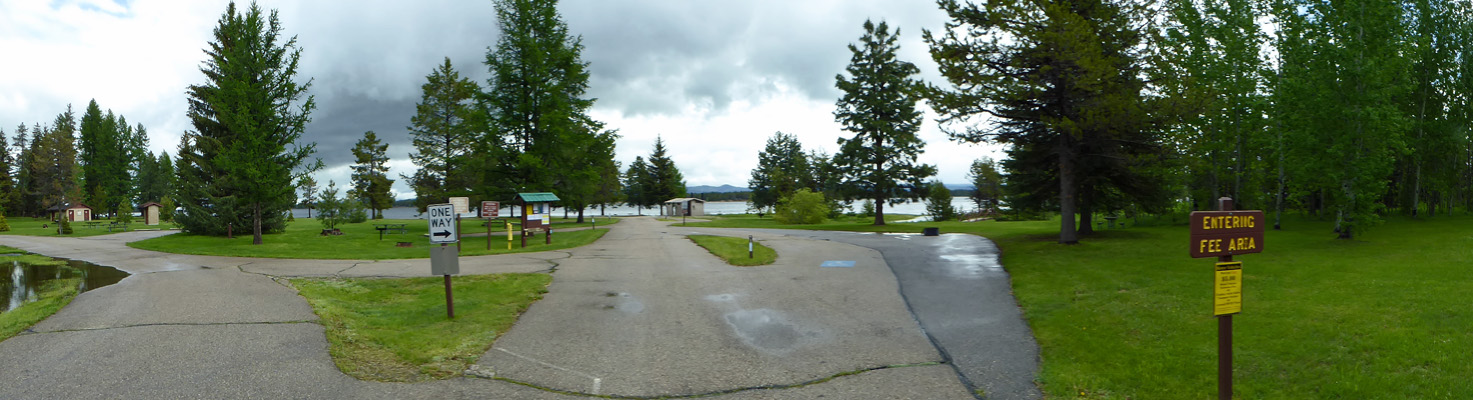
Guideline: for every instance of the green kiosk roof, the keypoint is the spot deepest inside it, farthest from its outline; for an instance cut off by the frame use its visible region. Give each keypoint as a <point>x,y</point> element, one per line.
<point>537,197</point>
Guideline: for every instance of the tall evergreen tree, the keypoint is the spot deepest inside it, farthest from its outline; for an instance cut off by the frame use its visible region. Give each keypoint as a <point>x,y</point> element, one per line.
<point>536,102</point>
<point>94,136</point>
<point>986,183</point>
<point>665,181</point>
<point>54,163</point>
<point>238,165</point>
<point>444,131</point>
<point>782,168</point>
<point>7,174</point>
<point>371,183</point>
<point>636,181</point>
<point>1061,82</point>
<point>19,200</point>
<point>879,107</point>
<point>308,186</point>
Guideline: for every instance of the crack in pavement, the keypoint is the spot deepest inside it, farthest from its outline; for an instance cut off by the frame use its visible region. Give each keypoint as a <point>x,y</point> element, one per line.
<point>807,383</point>
<point>33,332</point>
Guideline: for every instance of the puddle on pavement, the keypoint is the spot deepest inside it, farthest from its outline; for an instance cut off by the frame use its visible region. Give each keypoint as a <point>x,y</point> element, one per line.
<point>765,329</point>
<point>23,281</point>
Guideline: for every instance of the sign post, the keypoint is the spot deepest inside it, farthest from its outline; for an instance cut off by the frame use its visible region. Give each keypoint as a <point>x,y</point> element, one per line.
<point>444,260</point>
<point>489,210</point>
<point>1222,234</point>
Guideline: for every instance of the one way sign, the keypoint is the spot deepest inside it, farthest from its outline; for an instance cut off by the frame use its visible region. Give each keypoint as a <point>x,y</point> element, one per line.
<point>442,223</point>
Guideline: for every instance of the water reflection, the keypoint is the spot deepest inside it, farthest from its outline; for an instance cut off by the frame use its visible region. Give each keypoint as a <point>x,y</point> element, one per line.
<point>26,281</point>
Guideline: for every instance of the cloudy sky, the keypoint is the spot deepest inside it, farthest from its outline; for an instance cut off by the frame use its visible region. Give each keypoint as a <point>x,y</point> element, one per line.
<point>714,78</point>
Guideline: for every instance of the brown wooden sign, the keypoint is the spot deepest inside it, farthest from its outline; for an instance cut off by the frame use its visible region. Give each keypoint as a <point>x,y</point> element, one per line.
<point>1226,233</point>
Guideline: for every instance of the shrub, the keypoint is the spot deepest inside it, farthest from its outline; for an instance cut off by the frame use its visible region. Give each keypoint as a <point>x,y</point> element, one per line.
<point>166,209</point>
<point>802,207</point>
<point>66,226</point>
<point>938,203</point>
<point>355,211</point>
<point>867,208</point>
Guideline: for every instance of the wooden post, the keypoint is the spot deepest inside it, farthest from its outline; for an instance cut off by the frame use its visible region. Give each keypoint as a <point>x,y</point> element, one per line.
<point>547,236</point>
<point>449,299</point>
<point>488,234</point>
<point>1225,332</point>
<point>749,246</point>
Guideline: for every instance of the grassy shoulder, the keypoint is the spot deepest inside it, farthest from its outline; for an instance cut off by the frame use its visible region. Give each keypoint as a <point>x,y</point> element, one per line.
<point>1127,313</point>
<point>734,250</point>
<point>27,226</point>
<point>303,240</point>
<point>396,329</point>
<point>53,295</point>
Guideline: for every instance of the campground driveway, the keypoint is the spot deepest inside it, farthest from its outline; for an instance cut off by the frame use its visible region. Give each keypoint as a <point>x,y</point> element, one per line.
<point>642,312</point>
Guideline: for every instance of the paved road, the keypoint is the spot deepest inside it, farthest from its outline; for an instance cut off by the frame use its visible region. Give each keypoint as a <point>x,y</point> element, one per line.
<point>646,312</point>
<point>963,299</point>
<point>643,312</point>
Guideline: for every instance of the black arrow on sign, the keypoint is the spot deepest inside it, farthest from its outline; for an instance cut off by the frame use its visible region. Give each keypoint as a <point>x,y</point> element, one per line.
<point>443,233</point>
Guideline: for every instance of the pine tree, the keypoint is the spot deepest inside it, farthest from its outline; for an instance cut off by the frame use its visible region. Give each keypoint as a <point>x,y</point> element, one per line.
<point>237,167</point>
<point>537,103</point>
<point>665,180</point>
<point>782,168</point>
<point>54,163</point>
<point>19,200</point>
<point>986,183</point>
<point>7,177</point>
<point>879,107</point>
<point>636,181</point>
<point>444,131</point>
<point>1061,82</point>
<point>371,183</point>
<point>308,186</point>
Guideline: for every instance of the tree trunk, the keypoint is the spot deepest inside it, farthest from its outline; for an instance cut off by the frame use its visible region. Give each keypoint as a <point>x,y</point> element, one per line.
<point>309,212</point>
<point>1086,214</point>
<point>580,215</point>
<point>879,211</point>
<point>1067,198</point>
<point>256,222</point>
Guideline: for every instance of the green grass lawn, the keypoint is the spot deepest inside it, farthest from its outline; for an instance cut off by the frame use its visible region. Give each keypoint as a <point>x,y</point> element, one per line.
<point>303,239</point>
<point>1127,314</point>
<point>396,329</point>
<point>734,250</point>
<point>27,226</point>
<point>53,295</point>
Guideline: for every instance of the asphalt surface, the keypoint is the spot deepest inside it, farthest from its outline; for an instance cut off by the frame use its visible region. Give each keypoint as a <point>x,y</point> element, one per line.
<point>646,312</point>
<point>963,299</point>
<point>642,312</point>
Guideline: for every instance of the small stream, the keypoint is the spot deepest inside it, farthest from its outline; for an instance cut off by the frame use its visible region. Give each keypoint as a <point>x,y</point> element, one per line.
<point>22,280</point>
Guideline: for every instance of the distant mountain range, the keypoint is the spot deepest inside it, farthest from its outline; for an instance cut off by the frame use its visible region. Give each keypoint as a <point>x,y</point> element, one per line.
<point>730,188</point>
<point>715,189</point>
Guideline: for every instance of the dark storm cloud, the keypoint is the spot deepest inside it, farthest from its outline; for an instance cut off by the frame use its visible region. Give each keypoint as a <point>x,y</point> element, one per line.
<point>656,57</point>
<point>647,57</point>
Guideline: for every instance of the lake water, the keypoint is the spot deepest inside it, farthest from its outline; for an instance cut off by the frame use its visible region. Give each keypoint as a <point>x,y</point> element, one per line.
<point>962,204</point>
<point>25,279</point>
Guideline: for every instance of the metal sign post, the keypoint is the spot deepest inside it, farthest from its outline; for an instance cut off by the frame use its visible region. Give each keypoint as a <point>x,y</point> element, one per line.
<point>1222,234</point>
<point>444,260</point>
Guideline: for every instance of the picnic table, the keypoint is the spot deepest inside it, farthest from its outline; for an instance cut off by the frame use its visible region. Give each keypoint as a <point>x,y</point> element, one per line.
<point>92,224</point>
<point>383,228</point>
<point>117,225</point>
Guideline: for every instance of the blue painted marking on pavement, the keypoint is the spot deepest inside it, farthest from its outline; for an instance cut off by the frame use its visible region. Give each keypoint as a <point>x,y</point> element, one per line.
<point>843,264</point>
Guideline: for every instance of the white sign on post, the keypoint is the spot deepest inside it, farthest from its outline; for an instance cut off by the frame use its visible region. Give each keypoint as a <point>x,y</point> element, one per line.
<point>462,204</point>
<point>442,223</point>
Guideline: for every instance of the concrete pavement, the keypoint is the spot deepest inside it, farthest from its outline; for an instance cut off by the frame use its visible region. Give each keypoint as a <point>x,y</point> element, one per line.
<point>645,312</point>
<point>641,312</point>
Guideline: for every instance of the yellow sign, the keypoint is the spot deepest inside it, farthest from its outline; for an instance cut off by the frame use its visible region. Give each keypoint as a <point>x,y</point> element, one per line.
<point>1227,290</point>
